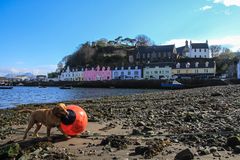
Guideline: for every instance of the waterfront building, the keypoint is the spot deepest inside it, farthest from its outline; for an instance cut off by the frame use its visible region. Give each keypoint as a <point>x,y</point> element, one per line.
<point>125,73</point>
<point>98,73</point>
<point>194,67</point>
<point>238,70</point>
<point>183,51</point>
<point>199,50</point>
<point>71,75</point>
<point>154,54</point>
<point>41,78</point>
<point>158,71</point>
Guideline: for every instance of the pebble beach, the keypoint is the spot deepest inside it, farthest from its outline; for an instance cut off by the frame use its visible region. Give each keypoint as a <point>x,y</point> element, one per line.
<point>200,123</point>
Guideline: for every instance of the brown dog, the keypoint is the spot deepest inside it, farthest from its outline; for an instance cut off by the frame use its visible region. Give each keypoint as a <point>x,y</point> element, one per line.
<point>48,117</point>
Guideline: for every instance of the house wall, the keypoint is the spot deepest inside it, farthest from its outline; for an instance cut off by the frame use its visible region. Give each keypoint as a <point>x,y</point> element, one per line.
<point>157,72</point>
<point>71,75</point>
<point>191,71</point>
<point>97,74</point>
<point>126,74</point>
<point>199,53</point>
<point>238,70</point>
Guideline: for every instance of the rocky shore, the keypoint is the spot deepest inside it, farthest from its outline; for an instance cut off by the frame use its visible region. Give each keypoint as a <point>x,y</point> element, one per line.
<point>200,123</point>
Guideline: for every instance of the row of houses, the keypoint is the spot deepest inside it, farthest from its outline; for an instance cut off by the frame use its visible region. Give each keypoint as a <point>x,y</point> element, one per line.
<point>197,67</point>
<point>156,53</point>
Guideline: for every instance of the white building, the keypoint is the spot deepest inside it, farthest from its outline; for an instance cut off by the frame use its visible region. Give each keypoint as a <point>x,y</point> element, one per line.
<point>238,70</point>
<point>71,75</point>
<point>125,73</point>
<point>160,71</point>
<point>199,50</point>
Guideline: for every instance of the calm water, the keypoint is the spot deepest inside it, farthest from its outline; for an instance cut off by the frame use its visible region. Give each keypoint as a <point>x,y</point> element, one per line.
<point>26,95</point>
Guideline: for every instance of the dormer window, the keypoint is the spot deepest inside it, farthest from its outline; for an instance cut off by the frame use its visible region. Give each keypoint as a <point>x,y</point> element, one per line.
<point>129,68</point>
<point>187,65</point>
<point>207,64</point>
<point>196,64</point>
<point>178,65</point>
<point>136,67</point>
<point>138,55</point>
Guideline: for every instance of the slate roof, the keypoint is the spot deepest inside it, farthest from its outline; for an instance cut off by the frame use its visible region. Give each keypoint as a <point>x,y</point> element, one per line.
<point>199,45</point>
<point>201,61</point>
<point>157,49</point>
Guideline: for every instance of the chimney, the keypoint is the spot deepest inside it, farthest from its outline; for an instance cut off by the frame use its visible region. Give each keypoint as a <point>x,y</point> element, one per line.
<point>186,43</point>
<point>190,42</point>
<point>207,41</point>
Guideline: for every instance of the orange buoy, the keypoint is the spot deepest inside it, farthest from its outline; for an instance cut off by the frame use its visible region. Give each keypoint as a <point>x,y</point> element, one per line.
<point>75,122</point>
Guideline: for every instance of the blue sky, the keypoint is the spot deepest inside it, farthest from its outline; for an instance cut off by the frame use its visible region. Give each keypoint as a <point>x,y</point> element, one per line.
<point>36,35</point>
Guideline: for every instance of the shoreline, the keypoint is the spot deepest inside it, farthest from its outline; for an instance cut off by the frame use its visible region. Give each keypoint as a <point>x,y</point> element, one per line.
<point>155,125</point>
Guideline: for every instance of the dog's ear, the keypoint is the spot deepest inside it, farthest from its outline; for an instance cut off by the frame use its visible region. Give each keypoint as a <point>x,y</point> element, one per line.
<point>55,111</point>
<point>62,105</point>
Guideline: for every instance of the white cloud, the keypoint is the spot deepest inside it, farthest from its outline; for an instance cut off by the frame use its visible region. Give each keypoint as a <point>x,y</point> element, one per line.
<point>204,8</point>
<point>44,69</point>
<point>228,2</point>
<point>232,42</point>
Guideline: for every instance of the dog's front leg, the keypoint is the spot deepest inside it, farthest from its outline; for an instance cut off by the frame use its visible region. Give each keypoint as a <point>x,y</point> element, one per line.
<point>60,129</point>
<point>48,133</point>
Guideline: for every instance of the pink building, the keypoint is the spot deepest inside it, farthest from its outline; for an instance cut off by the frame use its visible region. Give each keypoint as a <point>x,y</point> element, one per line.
<point>95,74</point>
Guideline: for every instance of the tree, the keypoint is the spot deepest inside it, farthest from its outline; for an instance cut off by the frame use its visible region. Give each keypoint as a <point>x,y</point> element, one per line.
<point>215,50</point>
<point>143,40</point>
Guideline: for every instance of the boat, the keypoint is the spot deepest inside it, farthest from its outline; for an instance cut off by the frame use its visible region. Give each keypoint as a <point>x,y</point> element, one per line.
<point>65,87</point>
<point>172,84</point>
<point>42,86</point>
<point>6,87</point>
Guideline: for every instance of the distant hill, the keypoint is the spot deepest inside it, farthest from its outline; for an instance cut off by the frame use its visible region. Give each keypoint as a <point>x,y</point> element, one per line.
<point>14,75</point>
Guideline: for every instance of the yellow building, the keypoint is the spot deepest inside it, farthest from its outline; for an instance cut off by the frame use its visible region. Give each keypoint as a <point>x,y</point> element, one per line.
<point>197,67</point>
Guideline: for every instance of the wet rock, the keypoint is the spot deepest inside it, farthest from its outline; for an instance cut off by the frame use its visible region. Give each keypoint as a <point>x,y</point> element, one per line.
<point>184,155</point>
<point>119,142</point>
<point>233,141</point>
<point>237,149</point>
<point>10,151</point>
<point>216,94</point>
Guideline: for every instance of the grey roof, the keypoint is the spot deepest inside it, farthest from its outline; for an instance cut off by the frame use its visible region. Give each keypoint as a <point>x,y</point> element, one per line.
<point>157,49</point>
<point>192,61</point>
<point>199,45</point>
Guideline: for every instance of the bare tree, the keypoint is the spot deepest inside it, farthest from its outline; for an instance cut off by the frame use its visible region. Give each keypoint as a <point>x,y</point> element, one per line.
<point>215,50</point>
<point>143,40</point>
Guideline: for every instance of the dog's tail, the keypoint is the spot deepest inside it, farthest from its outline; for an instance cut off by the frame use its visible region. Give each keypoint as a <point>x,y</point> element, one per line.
<point>25,111</point>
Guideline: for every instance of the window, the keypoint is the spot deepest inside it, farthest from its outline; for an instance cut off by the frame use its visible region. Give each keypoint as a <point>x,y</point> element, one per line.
<point>195,56</point>
<point>156,72</point>
<point>167,72</point>
<point>144,56</point>
<point>138,55</point>
<point>196,70</point>
<point>195,50</point>
<point>187,65</point>
<point>196,64</point>
<point>122,73</point>
<point>207,64</point>
<point>148,55</point>
<point>115,73</point>
<point>178,71</point>
<point>135,73</point>
<point>178,65</point>
<point>205,50</point>
<point>154,55</point>
<point>199,50</point>
<point>200,56</point>
<point>160,72</point>
<point>129,72</point>
<point>205,56</point>
<point>206,70</point>
<point>147,72</point>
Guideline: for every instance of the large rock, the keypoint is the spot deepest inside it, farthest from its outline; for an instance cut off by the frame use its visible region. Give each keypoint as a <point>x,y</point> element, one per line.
<point>233,141</point>
<point>184,155</point>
